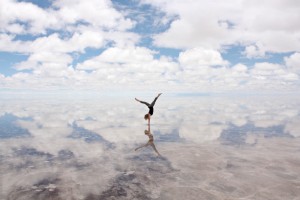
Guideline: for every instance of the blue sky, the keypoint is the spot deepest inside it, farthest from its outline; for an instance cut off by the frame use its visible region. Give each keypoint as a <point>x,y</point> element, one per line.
<point>143,45</point>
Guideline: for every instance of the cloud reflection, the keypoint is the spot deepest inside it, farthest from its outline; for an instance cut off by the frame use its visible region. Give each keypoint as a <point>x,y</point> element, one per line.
<point>84,149</point>
<point>10,128</point>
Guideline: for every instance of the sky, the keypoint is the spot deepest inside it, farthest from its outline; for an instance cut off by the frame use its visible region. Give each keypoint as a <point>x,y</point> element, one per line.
<point>150,45</point>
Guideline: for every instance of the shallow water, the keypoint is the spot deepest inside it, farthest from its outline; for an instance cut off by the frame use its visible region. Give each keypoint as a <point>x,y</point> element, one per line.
<point>210,147</point>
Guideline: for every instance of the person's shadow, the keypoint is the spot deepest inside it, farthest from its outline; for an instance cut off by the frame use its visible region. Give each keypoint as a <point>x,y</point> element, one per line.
<point>150,141</point>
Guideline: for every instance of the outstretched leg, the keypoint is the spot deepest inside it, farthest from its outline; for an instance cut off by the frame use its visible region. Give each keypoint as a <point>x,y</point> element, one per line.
<point>152,104</point>
<point>144,145</point>
<point>154,148</point>
<point>143,102</point>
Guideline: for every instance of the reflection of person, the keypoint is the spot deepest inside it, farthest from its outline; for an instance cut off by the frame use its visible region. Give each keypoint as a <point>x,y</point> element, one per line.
<point>150,142</point>
<point>150,106</point>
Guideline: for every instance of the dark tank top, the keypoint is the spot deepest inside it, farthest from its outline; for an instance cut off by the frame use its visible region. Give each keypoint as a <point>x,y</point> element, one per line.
<point>151,110</point>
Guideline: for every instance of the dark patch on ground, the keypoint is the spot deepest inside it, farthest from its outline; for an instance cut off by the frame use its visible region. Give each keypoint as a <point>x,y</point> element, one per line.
<point>44,189</point>
<point>24,151</point>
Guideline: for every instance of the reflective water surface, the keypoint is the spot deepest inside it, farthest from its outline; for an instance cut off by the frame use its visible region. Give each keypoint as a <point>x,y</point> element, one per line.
<point>195,148</point>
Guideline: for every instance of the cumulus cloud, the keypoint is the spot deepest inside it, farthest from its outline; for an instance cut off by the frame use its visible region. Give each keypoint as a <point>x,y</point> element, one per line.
<point>201,57</point>
<point>57,41</point>
<point>293,62</point>
<point>95,12</point>
<point>218,23</point>
<point>26,17</point>
<point>253,51</point>
<point>130,66</point>
<point>45,59</point>
<point>54,43</point>
<point>134,59</point>
<point>267,71</point>
<point>128,55</point>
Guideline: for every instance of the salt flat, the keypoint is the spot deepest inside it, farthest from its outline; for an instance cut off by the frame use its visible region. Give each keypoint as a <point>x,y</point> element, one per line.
<point>211,147</point>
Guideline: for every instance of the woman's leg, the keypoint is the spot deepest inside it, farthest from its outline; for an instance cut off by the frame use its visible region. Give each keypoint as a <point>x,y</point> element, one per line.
<point>143,102</point>
<point>152,104</point>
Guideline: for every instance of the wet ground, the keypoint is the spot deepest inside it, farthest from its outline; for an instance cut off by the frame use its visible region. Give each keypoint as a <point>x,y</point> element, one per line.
<point>207,148</point>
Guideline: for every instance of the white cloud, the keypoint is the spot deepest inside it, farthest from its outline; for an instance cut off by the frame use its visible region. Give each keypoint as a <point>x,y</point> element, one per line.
<point>77,43</point>
<point>99,13</point>
<point>63,13</point>
<point>131,67</point>
<point>254,51</point>
<point>214,24</point>
<point>44,58</point>
<point>54,37</point>
<point>53,43</point>
<point>293,62</point>
<point>75,26</point>
<point>271,76</point>
<point>136,68</point>
<point>7,44</point>
<point>267,69</point>
<point>272,71</point>
<point>133,58</point>
<point>201,57</point>
<point>240,68</point>
<point>127,55</point>
<point>34,18</point>
<point>195,27</point>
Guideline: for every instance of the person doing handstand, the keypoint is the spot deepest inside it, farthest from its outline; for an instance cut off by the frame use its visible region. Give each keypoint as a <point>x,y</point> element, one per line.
<point>150,106</point>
